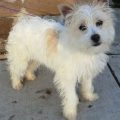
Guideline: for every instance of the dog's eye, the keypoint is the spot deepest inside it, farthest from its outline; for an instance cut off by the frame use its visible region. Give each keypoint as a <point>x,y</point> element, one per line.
<point>82,27</point>
<point>99,23</point>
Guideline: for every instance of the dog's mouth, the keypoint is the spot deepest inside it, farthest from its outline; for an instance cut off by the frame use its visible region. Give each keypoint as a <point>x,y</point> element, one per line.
<point>97,44</point>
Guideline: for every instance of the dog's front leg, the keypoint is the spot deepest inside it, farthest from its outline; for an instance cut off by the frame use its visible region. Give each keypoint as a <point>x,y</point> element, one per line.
<point>87,90</point>
<point>66,86</point>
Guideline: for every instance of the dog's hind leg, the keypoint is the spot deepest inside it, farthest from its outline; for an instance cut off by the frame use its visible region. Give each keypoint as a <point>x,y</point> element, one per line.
<point>17,68</point>
<point>30,72</point>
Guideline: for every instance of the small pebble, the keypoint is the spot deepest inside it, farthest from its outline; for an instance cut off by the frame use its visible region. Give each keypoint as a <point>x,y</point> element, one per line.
<point>48,91</point>
<point>14,101</point>
<point>11,117</point>
<point>89,106</point>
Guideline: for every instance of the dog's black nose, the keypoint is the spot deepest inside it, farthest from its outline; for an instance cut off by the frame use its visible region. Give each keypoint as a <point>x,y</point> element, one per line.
<point>95,38</point>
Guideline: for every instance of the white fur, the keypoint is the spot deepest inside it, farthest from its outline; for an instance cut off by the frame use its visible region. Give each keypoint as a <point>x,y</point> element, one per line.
<point>76,59</point>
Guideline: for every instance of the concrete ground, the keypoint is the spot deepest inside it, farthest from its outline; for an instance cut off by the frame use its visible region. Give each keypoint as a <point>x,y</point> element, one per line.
<point>38,100</point>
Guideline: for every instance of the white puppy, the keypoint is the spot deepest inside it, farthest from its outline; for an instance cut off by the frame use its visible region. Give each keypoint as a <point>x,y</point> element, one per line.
<point>75,51</point>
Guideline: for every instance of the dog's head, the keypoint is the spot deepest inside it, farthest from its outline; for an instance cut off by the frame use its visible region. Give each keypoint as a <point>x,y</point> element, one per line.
<point>89,27</point>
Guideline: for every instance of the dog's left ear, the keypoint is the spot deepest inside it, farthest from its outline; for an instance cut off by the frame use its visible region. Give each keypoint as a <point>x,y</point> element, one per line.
<point>65,9</point>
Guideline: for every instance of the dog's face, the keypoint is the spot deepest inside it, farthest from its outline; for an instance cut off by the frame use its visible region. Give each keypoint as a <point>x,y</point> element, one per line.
<point>90,27</point>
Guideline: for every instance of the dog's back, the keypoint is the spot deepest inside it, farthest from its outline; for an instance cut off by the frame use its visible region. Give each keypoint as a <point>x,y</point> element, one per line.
<point>28,33</point>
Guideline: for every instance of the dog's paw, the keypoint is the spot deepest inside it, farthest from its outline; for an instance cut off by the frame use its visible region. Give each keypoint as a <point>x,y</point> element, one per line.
<point>69,115</point>
<point>30,77</point>
<point>17,85</point>
<point>91,97</point>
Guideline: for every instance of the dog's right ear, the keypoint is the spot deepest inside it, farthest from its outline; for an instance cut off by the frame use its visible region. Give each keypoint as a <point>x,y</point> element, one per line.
<point>65,9</point>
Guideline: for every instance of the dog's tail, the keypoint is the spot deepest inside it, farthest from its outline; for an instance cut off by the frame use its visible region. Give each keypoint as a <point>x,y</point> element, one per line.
<point>22,13</point>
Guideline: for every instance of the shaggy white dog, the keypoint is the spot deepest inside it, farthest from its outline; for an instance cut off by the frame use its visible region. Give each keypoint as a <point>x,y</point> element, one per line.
<point>75,51</point>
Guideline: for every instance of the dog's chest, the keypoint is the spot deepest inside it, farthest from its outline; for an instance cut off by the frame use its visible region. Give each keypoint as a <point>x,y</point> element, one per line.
<point>88,65</point>
<point>78,65</point>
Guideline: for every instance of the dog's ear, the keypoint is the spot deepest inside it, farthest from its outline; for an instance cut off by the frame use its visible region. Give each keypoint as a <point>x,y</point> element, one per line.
<point>65,9</point>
